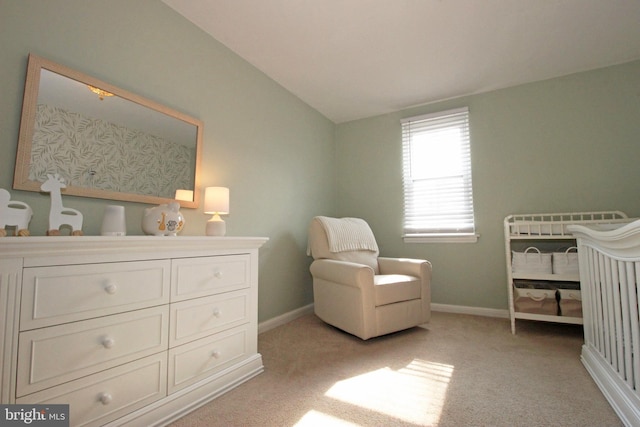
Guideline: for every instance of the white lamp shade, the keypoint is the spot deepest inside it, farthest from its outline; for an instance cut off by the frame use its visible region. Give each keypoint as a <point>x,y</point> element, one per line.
<point>184,195</point>
<point>216,200</point>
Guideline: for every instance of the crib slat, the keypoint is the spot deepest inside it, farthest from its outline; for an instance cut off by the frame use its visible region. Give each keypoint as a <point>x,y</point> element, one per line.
<point>634,302</point>
<point>588,299</point>
<point>613,292</point>
<point>627,278</point>
<point>597,306</point>
<point>609,313</point>
<point>614,286</point>
<point>604,309</point>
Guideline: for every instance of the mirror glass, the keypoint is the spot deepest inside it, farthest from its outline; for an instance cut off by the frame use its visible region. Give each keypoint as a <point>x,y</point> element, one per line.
<point>104,141</point>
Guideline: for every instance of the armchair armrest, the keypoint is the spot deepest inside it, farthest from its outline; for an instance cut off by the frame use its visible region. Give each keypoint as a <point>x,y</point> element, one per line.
<point>346,273</point>
<point>408,266</point>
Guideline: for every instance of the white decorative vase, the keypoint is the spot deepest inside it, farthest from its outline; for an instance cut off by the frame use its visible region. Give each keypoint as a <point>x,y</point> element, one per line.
<point>163,220</point>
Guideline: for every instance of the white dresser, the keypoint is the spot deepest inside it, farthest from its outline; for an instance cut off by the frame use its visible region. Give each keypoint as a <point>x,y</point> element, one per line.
<point>135,330</point>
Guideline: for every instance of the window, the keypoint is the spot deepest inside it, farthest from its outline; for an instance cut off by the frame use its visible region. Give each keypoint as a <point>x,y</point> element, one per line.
<point>438,199</point>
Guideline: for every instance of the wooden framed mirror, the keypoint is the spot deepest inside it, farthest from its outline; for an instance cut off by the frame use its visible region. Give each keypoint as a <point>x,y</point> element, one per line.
<point>105,142</point>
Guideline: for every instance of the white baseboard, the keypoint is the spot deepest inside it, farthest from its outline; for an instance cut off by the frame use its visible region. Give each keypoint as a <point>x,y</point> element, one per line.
<point>284,318</point>
<point>444,308</point>
<point>476,311</point>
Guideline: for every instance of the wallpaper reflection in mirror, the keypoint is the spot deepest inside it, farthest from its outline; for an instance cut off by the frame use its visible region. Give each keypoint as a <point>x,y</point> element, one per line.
<point>94,153</point>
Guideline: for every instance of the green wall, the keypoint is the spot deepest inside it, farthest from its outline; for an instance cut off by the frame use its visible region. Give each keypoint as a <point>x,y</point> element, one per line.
<point>562,145</point>
<point>567,144</point>
<point>273,151</point>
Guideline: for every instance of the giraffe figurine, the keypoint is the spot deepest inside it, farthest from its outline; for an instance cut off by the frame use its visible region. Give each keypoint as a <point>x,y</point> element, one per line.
<point>59,215</point>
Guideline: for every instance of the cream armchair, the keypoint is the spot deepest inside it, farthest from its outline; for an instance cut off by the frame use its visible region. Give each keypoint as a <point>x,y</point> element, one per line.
<point>359,292</point>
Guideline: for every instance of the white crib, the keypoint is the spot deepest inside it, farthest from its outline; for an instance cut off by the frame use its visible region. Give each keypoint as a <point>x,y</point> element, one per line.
<point>609,258</point>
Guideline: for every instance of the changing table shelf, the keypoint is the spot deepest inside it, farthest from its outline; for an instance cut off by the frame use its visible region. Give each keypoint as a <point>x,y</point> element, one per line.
<point>547,232</point>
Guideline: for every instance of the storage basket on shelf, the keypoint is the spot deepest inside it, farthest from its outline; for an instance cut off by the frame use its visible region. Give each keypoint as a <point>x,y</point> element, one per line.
<point>531,261</point>
<point>536,301</point>
<point>570,303</point>
<point>565,262</point>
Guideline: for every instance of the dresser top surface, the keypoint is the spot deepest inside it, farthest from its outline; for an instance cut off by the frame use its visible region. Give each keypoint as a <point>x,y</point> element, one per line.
<point>40,245</point>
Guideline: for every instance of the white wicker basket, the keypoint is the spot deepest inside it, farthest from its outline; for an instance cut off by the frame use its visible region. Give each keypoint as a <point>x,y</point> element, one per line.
<point>565,262</point>
<point>531,261</point>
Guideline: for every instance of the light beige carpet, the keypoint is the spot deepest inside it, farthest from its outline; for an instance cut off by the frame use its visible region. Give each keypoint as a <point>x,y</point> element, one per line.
<point>456,371</point>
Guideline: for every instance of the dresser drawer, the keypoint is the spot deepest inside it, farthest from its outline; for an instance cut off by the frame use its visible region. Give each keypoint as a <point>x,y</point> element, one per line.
<point>108,395</point>
<point>196,360</point>
<point>53,295</point>
<point>197,318</point>
<point>50,356</point>
<point>197,277</point>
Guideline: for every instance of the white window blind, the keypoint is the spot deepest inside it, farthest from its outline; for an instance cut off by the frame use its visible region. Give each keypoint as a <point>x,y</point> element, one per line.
<point>438,199</point>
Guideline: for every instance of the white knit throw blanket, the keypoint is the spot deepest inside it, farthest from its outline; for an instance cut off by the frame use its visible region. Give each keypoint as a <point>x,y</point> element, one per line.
<point>348,234</point>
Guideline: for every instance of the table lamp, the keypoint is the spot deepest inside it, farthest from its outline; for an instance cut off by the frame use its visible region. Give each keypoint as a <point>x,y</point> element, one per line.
<point>216,202</point>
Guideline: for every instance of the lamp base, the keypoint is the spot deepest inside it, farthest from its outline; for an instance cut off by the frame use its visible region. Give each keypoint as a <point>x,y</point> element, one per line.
<point>216,227</point>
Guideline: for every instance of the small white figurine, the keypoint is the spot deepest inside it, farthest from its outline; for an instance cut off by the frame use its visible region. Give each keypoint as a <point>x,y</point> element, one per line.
<point>59,215</point>
<point>14,214</point>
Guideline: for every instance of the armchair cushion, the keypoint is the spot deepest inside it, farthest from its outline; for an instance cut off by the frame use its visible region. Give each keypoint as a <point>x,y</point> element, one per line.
<point>390,288</point>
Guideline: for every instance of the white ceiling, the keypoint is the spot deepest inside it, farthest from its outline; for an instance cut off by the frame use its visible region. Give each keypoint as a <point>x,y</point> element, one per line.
<point>351,59</point>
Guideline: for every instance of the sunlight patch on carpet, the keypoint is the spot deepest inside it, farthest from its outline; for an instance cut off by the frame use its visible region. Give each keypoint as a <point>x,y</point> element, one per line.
<point>316,418</point>
<point>415,393</point>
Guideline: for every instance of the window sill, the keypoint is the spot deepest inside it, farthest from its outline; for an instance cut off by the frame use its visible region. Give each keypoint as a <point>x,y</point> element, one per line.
<point>442,238</point>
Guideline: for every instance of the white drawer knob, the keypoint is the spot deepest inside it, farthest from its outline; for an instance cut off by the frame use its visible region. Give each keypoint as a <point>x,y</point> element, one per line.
<point>105,398</point>
<point>217,274</point>
<point>216,354</point>
<point>216,312</point>
<point>111,288</point>
<point>108,342</point>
